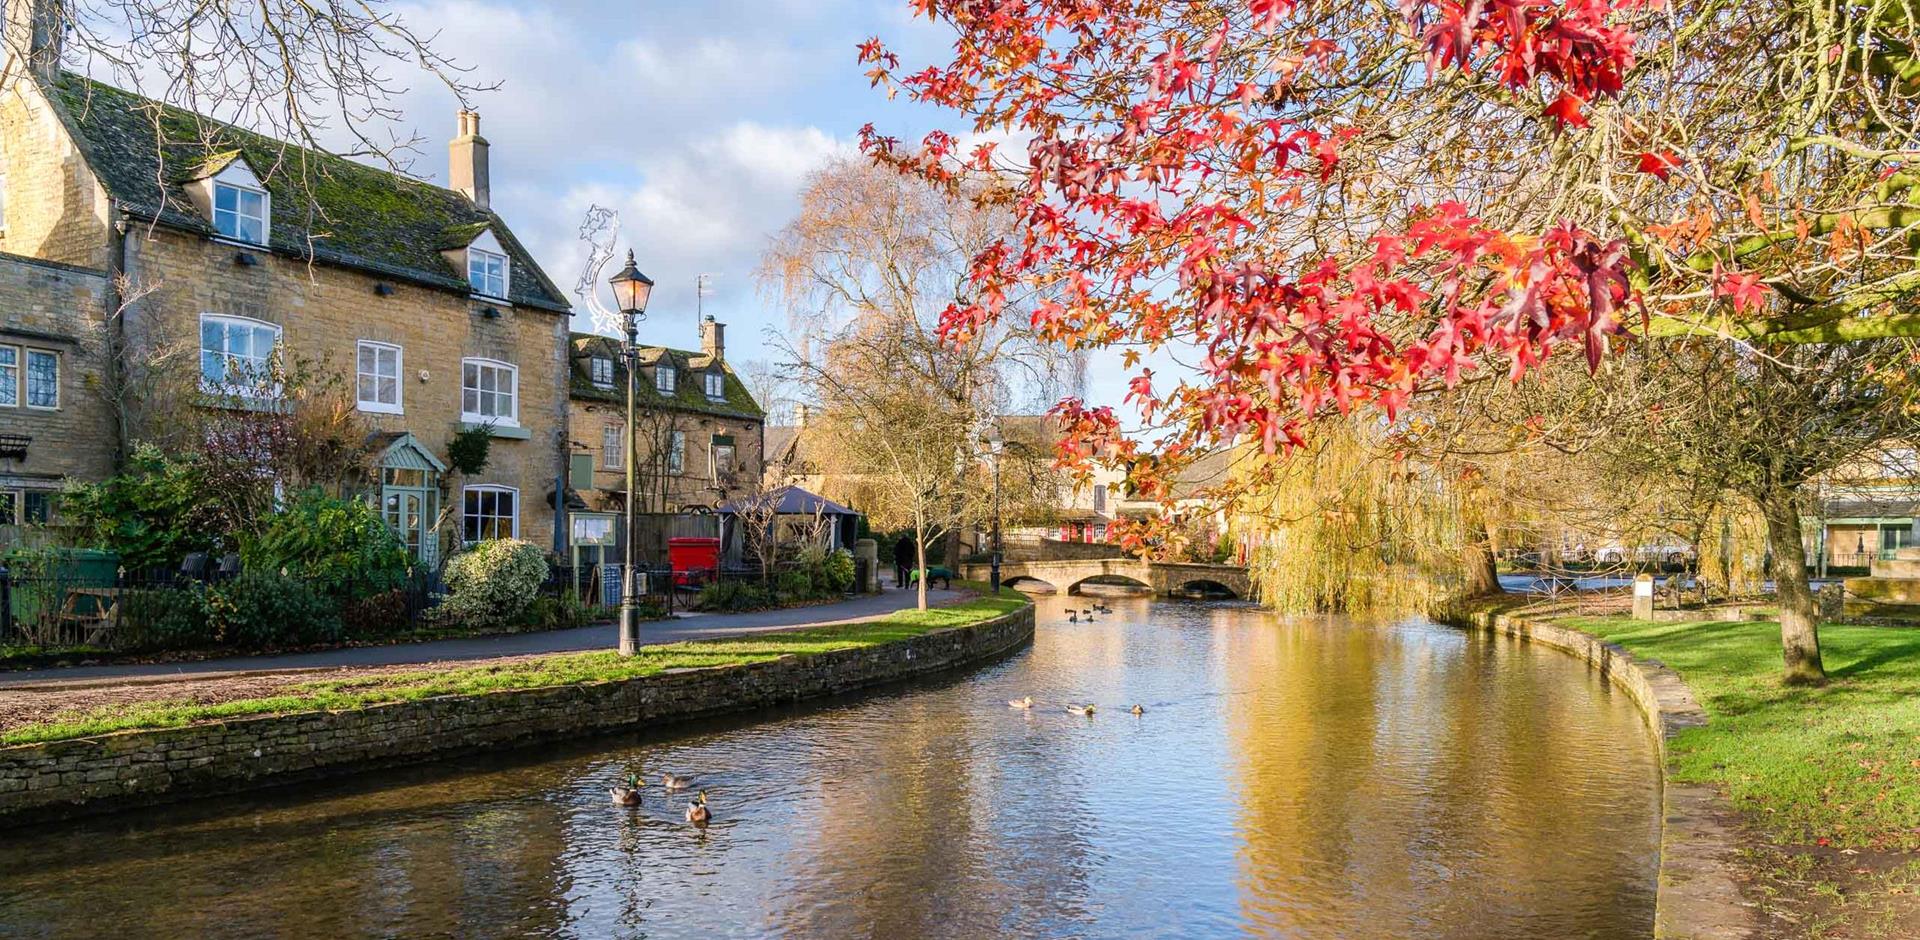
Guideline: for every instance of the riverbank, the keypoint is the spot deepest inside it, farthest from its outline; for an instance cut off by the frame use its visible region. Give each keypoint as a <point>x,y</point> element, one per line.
<point>162,749</point>
<point>1825,781</point>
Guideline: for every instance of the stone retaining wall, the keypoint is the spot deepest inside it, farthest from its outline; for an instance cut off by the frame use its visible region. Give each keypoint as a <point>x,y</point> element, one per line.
<point>1699,897</point>
<point>135,768</point>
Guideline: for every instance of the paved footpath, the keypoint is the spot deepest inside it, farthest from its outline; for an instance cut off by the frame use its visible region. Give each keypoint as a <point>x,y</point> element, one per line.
<point>604,636</point>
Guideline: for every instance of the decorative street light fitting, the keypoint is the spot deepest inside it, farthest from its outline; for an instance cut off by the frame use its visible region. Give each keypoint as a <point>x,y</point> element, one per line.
<point>631,290</point>
<point>995,444</point>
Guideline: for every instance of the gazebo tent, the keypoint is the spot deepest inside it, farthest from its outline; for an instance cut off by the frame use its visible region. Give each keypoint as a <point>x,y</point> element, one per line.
<point>792,501</point>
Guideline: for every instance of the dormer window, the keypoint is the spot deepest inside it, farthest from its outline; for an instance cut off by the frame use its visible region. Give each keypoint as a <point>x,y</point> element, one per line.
<point>663,378</point>
<point>487,273</point>
<point>601,371</point>
<point>241,206</point>
<point>716,386</point>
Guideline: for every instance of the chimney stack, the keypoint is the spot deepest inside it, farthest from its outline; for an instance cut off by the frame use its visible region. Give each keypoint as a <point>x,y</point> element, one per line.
<point>34,31</point>
<point>713,338</point>
<point>467,161</point>
<point>801,412</point>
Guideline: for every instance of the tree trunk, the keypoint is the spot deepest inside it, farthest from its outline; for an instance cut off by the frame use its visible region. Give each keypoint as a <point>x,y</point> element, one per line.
<point>1482,569</point>
<point>920,550</point>
<point>1799,615</point>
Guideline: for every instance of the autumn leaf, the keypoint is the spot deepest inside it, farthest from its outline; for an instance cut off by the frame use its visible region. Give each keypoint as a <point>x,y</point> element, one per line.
<point>1659,164</point>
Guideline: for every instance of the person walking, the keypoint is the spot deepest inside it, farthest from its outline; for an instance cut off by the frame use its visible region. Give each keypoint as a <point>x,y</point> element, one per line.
<point>906,557</point>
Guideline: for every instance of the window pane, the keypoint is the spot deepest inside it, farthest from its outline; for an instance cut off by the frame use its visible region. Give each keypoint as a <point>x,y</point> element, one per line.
<point>38,508</point>
<point>366,358</point>
<point>470,402</point>
<point>9,515</point>
<point>366,390</point>
<point>9,376</point>
<point>389,391</point>
<point>225,197</point>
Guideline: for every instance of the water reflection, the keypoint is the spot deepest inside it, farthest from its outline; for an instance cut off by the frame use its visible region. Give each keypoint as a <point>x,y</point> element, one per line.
<point>1310,778</point>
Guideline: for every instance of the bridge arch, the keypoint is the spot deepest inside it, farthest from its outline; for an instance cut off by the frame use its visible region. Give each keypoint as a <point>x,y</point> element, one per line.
<point>1038,584</point>
<point>1115,580</point>
<point>1205,587</point>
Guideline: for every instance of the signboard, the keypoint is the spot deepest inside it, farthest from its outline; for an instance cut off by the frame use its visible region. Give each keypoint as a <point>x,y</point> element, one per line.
<point>1643,586</point>
<point>593,529</point>
<point>610,583</point>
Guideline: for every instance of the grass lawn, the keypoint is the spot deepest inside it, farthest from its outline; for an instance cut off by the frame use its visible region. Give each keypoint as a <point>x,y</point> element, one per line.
<point>1840,763</point>
<point>543,672</point>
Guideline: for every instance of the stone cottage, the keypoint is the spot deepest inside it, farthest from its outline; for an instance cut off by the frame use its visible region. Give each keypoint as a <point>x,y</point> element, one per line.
<point>698,440</point>
<point>218,247</point>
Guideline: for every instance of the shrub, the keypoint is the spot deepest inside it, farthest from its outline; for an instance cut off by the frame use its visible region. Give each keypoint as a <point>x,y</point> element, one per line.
<point>794,583</point>
<point>375,615</point>
<point>153,514</point>
<point>558,613</point>
<point>839,569</point>
<point>335,544</point>
<point>730,596</point>
<point>266,608</point>
<point>165,619</point>
<point>491,584</point>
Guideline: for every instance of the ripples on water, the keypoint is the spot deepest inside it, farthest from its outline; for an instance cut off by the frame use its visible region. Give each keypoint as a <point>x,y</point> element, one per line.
<point>1311,778</point>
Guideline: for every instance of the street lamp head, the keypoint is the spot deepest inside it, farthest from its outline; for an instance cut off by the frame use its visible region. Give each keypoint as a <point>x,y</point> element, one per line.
<point>631,288</point>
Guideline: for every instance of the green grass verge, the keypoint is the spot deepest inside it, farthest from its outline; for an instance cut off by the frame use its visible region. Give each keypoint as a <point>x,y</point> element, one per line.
<point>1839,763</point>
<point>544,672</point>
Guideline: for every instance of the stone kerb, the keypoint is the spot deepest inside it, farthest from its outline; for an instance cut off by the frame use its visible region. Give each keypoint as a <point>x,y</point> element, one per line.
<point>135,768</point>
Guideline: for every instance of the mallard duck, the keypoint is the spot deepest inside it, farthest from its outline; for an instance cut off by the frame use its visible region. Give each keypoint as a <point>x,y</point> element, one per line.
<point>1087,613</point>
<point>1073,616</point>
<point>697,811</point>
<point>1026,702</point>
<point>1102,609</point>
<point>676,782</point>
<point>1086,710</point>
<point>628,795</point>
<point>1137,709</point>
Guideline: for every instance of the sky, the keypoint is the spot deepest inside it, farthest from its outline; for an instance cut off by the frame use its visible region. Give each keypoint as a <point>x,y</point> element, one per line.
<point>698,123</point>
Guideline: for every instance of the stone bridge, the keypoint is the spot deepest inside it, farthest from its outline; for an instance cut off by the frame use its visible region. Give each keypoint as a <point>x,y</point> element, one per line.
<point>1163,577</point>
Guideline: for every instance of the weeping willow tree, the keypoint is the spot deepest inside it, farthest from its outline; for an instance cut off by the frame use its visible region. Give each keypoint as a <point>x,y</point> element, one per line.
<point>1733,552</point>
<point>1342,525</point>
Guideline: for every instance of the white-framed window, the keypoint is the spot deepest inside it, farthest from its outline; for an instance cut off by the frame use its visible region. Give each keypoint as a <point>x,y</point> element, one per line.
<point>600,369</point>
<point>677,452</point>
<point>487,272</point>
<point>43,379</point>
<point>722,460</point>
<point>489,512</point>
<point>26,507</point>
<point>613,451</point>
<point>236,353</point>
<point>716,386</point>
<point>489,392</point>
<point>240,212</point>
<point>377,377</point>
<point>9,376</point>
<point>664,375</point>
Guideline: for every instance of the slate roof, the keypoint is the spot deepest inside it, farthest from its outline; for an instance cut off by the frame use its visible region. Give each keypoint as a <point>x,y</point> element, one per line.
<point>689,390</point>
<point>791,501</point>
<point>144,152</point>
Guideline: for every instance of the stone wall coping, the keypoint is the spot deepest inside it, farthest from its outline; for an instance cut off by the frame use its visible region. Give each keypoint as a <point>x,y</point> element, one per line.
<point>1699,895</point>
<point>139,767</point>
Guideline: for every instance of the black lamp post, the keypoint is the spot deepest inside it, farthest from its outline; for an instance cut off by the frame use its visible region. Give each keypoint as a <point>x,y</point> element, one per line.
<point>630,290</point>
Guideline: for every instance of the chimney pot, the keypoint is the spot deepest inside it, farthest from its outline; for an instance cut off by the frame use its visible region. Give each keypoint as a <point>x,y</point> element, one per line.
<point>467,171</point>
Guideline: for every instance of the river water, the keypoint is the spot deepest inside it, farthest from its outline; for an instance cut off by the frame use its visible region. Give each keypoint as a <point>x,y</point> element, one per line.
<point>1303,777</point>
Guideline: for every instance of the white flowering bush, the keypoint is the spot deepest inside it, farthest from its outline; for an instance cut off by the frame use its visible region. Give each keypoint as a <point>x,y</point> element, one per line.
<point>493,583</point>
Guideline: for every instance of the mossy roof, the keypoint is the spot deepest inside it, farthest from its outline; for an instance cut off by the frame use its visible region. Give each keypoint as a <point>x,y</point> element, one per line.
<point>327,207</point>
<point>689,391</point>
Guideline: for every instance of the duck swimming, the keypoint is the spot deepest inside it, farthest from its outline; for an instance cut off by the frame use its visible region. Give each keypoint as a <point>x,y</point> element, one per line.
<point>1073,616</point>
<point>1086,710</point>
<point>1026,702</point>
<point>1137,710</point>
<point>675,781</point>
<point>697,811</point>
<point>628,795</point>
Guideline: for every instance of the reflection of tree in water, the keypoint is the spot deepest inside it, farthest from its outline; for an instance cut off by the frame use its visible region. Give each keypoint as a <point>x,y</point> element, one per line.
<point>1394,784</point>
<point>916,831</point>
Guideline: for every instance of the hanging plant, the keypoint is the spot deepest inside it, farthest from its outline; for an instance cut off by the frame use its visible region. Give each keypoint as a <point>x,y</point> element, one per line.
<point>467,451</point>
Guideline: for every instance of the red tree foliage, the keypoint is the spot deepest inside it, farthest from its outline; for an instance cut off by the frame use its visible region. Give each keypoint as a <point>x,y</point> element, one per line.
<point>1170,167</point>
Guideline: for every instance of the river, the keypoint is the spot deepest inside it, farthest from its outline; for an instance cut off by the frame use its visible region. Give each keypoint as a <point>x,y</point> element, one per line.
<point>1292,777</point>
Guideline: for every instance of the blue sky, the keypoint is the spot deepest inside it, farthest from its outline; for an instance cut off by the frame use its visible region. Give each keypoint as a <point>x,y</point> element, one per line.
<point>697,122</point>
